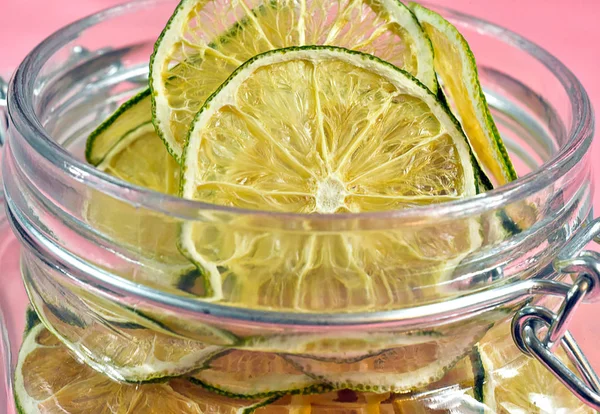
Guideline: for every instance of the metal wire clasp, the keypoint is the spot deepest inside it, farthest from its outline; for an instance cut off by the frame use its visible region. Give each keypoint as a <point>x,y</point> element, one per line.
<point>538,331</point>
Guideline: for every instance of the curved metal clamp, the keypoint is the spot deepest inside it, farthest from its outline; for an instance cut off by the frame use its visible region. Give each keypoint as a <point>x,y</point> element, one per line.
<point>537,330</point>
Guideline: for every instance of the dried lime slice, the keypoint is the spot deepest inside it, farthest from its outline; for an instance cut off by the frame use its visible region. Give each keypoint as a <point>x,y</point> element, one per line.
<point>319,129</point>
<point>140,158</point>
<point>456,392</point>
<point>515,383</point>
<point>456,67</point>
<point>205,41</point>
<point>130,116</point>
<point>128,351</point>
<point>253,374</point>
<point>334,402</point>
<point>131,354</point>
<point>420,361</point>
<point>49,380</point>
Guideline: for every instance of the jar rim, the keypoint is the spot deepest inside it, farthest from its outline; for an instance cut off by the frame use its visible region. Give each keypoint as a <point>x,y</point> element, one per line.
<point>24,119</point>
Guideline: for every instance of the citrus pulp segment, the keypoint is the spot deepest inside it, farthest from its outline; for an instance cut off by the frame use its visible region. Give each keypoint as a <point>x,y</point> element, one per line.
<point>49,380</point>
<point>205,41</point>
<point>455,64</point>
<point>135,112</point>
<point>319,129</point>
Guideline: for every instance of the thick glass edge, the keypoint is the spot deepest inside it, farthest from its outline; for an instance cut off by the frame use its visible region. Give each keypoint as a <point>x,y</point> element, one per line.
<point>22,116</point>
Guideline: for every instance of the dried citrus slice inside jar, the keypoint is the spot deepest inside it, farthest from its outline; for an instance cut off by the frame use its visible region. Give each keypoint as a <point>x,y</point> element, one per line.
<point>320,129</point>
<point>515,383</point>
<point>129,117</point>
<point>205,41</point>
<point>191,61</point>
<point>251,374</point>
<point>457,70</point>
<point>416,362</point>
<point>132,348</point>
<point>495,377</point>
<point>139,158</point>
<point>127,147</point>
<point>49,380</point>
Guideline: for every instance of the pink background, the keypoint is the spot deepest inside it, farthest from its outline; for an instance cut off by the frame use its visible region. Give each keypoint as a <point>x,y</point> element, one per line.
<point>567,28</point>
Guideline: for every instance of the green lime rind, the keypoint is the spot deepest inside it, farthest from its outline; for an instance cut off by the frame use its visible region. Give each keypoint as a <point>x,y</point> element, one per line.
<point>307,345</point>
<point>19,392</point>
<point>478,374</point>
<point>210,278</point>
<point>207,284</point>
<point>426,16</point>
<point>66,315</point>
<point>141,320</point>
<point>123,142</point>
<point>18,405</point>
<point>222,39</point>
<point>187,281</point>
<point>508,224</point>
<point>159,130</point>
<point>213,336</point>
<point>359,386</point>
<point>31,320</point>
<point>385,378</point>
<point>261,404</point>
<point>339,359</point>
<point>277,382</point>
<point>117,126</point>
<point>313,389</point>
<point>482,182</point>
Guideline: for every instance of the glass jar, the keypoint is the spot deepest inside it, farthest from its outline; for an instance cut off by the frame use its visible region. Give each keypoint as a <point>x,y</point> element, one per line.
<point>85,273</point>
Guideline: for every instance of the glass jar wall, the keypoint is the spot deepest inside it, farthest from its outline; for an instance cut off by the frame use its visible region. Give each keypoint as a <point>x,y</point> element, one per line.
<point>102,269</point>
